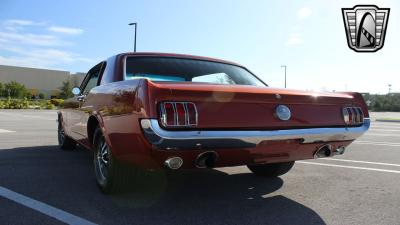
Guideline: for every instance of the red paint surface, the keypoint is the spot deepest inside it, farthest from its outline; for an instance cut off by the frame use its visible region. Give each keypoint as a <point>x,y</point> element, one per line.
<point>119,106</point>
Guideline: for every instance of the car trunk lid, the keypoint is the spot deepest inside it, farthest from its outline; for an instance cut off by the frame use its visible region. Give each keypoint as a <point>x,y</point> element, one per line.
<point>251,107</point>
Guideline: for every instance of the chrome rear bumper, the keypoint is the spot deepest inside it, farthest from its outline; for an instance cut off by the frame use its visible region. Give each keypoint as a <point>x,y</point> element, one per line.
<point>206,139</point>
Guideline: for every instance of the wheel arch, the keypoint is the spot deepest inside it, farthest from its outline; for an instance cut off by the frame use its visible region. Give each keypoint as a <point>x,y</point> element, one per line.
<point>60,120</point>
<point>59,117</point>
<point>92,124</point>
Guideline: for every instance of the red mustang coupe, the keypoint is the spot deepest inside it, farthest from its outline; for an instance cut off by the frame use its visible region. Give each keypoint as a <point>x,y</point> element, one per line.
<point>153,110</point>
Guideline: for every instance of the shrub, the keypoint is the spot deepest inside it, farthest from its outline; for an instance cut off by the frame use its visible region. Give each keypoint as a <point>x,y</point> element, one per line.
<point>49,105</point>
<point>15,90</point>
<point>14,104</point>
<point>57,102</point>
<point>41,96</point>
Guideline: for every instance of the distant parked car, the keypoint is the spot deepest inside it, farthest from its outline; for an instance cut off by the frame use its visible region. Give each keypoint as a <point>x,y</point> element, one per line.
<point>153,110</point>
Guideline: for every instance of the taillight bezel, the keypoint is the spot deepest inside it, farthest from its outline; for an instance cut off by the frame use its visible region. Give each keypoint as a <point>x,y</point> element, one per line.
<point>352,115</point>
<point>188,120</point>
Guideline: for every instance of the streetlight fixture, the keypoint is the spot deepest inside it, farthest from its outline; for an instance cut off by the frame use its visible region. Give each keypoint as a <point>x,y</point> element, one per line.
<point>135,24</point>
<point>284,66</point>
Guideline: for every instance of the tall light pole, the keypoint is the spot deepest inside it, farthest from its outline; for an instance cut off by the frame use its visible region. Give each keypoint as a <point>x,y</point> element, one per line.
<point>134,48</point>
<point>285,73</point>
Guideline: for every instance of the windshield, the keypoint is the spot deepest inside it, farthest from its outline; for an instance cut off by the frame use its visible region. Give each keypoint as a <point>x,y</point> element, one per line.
<point>188,70</point>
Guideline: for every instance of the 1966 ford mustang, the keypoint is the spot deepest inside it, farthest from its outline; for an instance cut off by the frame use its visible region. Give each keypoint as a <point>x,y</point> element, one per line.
<point>153,110</point>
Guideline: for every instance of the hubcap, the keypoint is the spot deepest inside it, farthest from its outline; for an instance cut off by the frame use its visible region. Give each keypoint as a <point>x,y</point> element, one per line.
<point>102,159</point>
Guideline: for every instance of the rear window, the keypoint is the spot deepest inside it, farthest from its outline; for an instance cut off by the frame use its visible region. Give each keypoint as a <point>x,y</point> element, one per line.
<point>165,69</point>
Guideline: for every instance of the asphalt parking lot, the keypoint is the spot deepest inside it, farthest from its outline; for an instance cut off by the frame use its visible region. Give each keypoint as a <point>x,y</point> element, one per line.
<point>46,184</point>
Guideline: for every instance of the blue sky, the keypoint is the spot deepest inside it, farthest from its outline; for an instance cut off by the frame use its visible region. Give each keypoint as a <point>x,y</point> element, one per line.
<point>307,36</point>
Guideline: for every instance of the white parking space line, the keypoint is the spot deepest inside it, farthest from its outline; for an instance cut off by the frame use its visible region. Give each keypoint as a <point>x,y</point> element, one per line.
<point>6,131</point>
<point>41,117</point>
<point>364,162</point>
<point>380,134</point>
<point>392,144</point>
<point>52,116</point>
<point>384,130</point>
<point>349,167</point>
<point>386,125</point>
<point>43,208</point>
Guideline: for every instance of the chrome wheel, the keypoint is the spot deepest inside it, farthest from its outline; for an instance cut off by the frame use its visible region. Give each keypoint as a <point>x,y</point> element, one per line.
<point>102,159</point>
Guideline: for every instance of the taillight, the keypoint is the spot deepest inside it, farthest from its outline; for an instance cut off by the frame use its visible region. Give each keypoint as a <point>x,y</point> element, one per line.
<point>352,115</point>
<point>181,114</point>
<point>168,117</point>
<point>178,114</point>
<point>192,112</point>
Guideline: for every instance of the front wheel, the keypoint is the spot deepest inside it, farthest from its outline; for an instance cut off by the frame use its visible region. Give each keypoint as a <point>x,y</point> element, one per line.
<point>271,169</point>
<point>64,142</point>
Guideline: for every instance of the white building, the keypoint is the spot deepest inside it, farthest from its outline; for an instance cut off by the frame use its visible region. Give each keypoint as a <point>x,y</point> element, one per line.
<point>39,80</point>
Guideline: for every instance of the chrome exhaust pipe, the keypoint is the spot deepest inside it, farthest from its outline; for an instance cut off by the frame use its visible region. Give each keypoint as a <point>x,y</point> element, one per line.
<point>174,163</point>
<point>340,150</point>
<point>323,151</point>
<point>206,159</point>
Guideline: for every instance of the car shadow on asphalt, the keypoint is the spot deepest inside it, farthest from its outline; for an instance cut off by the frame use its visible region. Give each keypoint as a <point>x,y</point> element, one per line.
<point>65,179</point>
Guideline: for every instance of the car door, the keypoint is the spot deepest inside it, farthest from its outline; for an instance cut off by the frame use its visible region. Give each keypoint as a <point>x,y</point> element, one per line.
<point>80,115</point>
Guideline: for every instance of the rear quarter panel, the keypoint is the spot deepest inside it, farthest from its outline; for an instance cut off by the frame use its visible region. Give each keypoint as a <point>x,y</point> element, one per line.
<point>119,106</point>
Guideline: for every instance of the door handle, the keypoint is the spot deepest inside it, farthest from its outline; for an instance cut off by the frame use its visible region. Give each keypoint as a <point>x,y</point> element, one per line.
<point>81,98</point>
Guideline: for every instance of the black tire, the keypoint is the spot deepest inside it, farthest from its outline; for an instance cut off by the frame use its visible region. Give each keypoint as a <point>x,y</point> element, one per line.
<point>111,175</point>
<point>64,142</point>
<point>271,169</point>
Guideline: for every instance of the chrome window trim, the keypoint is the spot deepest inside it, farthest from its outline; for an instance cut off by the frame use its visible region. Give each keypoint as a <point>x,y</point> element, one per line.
<point>257,78</point>
<point>210,139</point>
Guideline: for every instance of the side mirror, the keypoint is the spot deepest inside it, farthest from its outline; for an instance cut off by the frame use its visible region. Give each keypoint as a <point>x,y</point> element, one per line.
<point>76,91</point>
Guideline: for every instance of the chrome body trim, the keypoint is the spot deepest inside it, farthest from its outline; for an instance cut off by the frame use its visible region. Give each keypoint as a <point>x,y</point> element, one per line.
<point>210,139</point>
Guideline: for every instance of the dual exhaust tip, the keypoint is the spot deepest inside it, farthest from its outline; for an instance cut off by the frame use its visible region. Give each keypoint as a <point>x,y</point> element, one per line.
<point>327,151</point>
<point>209,158</point>
<point>203,160</point>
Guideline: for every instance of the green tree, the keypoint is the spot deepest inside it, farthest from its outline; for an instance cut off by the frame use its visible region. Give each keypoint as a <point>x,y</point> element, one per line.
<point>41,96</point>
<point>66,89</point>
<point>15,90</point>
<point>380,103</point>
<point>1,90</point>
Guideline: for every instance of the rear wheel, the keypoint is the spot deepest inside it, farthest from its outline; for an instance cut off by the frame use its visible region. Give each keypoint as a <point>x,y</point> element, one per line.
<point>271,169</point>
<point>111,175</point>
<point>64,142</point>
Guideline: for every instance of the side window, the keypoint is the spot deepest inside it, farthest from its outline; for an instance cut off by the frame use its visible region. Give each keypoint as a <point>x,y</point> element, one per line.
<point>92,82</point>
<point>92,79</point>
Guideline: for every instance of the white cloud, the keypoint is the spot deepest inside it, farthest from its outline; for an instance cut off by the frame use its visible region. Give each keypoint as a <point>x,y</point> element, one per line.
<point>23,23</point>
<point>18,25</point>
<point>304,13</point>
<point>42,46</point>
<point>39,58</point>
<point>31,39</point>
<point>66,30</point>
<point>294,39</point>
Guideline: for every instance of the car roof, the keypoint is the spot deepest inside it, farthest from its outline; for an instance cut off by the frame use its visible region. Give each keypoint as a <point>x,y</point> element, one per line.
<point>173,55</point>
